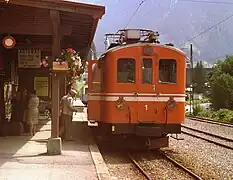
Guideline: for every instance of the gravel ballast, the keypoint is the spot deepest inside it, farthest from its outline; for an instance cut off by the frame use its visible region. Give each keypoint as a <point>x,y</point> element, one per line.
<point>160,168</point>
<point>120,167</point>
<point>207,160</point>
<point>211,128</point>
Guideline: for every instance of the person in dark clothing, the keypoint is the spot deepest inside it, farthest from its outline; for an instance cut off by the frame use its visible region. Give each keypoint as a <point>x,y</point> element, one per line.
<point>24,109</point>
<point>15,108</point>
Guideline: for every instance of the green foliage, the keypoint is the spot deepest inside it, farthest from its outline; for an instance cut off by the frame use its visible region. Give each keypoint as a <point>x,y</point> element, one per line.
<point>205,100</point>
<point>206,113</point>
<point>221,82</point>
<point>197,109</point>
<point>223,115</point>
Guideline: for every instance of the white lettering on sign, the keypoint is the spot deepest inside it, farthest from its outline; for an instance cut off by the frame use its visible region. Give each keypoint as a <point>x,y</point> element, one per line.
<point>29,58</point>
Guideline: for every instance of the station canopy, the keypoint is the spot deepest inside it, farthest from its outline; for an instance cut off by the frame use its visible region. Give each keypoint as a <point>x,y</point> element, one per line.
<point>29,22</point>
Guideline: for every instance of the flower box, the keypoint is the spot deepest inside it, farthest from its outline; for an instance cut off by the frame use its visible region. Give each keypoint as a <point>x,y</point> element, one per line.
<point>60,66</point>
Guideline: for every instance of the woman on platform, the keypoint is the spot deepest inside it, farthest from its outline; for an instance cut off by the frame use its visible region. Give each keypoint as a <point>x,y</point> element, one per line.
<point>33,112</point>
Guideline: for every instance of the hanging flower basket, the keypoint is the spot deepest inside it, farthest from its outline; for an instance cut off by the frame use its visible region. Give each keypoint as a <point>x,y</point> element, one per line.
<point>75,63</point>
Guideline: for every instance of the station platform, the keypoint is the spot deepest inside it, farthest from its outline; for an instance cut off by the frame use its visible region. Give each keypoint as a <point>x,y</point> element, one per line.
<point>25,157</point>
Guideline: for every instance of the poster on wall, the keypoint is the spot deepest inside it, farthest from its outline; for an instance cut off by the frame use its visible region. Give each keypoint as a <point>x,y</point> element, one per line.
<point>29,58</point>
<point>41,85</point>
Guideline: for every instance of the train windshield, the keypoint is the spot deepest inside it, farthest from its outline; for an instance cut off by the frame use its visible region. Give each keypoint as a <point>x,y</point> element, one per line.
<point>126,70</point>
<point>167,71</point>
<point>147,71</point>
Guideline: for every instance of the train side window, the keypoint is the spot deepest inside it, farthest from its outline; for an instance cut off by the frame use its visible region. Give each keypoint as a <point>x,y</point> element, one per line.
<point>126,70</point>
<point>147,71</point>
<point>167,71</point>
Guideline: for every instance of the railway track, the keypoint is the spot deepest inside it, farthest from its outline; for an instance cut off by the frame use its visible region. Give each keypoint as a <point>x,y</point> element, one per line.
<point>210,121</point>
<point>165,156</point>
<point>210,135</point>
<point>144,173</point>
<point>177,164</point>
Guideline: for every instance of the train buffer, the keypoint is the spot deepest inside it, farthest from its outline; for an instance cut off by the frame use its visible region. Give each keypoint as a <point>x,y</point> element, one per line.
<point>25,157</point>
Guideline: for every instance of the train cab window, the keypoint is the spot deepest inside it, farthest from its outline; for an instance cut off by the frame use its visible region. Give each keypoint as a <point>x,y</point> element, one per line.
<point>126,70</point>
<point>147,71</point>
<point>167,71</point>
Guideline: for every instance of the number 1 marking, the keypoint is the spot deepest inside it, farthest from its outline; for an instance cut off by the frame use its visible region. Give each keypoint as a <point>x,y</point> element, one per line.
<point>146,107</point>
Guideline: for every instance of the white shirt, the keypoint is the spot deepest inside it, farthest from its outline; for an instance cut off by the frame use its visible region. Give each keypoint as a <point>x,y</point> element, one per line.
<point>67,105</point>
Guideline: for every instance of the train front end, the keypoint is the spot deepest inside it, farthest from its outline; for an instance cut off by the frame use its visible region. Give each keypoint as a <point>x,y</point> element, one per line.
<point>138,90</point>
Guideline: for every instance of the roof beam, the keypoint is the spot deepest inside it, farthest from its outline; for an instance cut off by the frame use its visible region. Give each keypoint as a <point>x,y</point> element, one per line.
<point>60,6</point>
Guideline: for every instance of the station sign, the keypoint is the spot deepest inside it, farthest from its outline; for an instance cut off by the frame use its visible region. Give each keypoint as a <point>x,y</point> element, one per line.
<point>9,42</point>
<point>29,58</point>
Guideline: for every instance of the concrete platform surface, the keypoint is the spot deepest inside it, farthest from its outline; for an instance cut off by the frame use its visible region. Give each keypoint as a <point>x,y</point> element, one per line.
<point>25,157</point>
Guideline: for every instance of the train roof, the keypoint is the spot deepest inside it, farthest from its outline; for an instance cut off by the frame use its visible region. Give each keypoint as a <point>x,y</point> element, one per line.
<point>113,49</point>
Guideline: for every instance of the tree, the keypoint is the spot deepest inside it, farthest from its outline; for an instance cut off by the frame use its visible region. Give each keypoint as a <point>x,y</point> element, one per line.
<point>221,82</point>
<point>199,78</point>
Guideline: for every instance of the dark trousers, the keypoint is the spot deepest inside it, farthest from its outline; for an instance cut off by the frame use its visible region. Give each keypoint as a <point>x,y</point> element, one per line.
<point>65,127</point>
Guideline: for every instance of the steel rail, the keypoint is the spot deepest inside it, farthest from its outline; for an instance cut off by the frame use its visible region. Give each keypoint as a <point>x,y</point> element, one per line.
<point>208,140</point>
<point>139,167</point>
<point>180,165</point>
<point>207,133</point>
<point>210,121</point>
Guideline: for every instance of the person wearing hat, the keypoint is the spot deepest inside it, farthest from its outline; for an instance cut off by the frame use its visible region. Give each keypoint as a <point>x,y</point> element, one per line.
<point>67,109</point>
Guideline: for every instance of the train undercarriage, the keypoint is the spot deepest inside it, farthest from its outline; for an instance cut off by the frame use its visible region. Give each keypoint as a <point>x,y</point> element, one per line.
<point>137,136</point>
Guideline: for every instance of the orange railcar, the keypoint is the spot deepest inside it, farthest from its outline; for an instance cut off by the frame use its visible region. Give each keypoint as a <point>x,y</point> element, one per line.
<point>138,89</point>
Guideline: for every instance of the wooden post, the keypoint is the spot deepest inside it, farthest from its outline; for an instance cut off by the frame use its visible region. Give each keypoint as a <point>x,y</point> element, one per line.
<point>56,49</point>
<point>2,107</point>
<point>55,105</point>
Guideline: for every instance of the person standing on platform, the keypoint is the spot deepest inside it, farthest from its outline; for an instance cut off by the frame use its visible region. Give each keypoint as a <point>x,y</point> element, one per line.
<point>24,109</point>
<point>33,112</point>
<point>15,107</point>
<point>67,109</point>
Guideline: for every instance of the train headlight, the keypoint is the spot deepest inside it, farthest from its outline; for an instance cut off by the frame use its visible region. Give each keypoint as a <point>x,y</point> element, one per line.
<point>171,104</point>
<point>120,103</point>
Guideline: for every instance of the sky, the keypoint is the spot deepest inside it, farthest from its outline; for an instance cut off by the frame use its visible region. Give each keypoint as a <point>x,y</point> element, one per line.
<point>118,14</point>
<point>175,20</point>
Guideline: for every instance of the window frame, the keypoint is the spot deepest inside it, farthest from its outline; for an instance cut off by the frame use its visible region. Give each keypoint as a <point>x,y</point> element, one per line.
<point>135,70</point>
<point>162,82</point>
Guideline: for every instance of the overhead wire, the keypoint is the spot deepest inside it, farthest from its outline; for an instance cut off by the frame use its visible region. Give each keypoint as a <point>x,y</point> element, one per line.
<point>208,29</point>
<point>134,13</point>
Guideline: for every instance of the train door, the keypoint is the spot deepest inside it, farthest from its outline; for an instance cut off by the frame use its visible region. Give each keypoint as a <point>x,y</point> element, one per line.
<point>146,89</point>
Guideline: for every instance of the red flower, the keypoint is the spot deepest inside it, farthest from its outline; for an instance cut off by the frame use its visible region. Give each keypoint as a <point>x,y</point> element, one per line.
<point>71,50</point>
<point>75,74</point>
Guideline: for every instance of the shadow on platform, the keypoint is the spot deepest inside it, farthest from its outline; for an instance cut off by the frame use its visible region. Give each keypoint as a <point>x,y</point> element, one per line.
<point>11,146</point>
<point>14,147</point>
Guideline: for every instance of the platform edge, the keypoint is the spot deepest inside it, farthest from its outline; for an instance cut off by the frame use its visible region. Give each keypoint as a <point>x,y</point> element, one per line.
<point>100,165</point>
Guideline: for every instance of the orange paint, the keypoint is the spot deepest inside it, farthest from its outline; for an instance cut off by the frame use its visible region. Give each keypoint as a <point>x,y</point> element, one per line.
<point>143,103</point>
